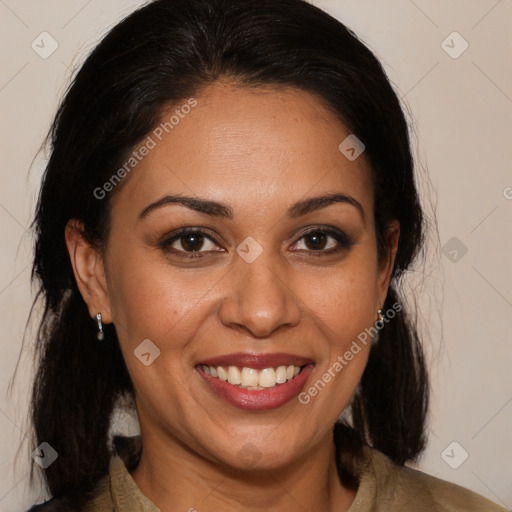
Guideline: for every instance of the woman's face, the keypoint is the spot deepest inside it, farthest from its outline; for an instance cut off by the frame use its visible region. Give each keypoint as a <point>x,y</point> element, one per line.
<point>249,288</point>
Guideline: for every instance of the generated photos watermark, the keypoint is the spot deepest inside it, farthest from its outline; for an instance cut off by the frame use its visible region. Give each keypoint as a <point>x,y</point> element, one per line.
<point>343,360</point>
<point>143,149</point>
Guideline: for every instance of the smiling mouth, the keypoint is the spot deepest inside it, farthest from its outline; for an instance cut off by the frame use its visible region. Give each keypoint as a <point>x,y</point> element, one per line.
<point>251,378</point>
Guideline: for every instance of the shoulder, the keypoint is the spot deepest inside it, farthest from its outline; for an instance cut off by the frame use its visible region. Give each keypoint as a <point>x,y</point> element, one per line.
<point>404,488</point>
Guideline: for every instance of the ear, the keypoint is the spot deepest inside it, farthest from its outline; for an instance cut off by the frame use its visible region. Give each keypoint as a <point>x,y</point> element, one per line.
<point>386,266</point>
<point>89,271</point>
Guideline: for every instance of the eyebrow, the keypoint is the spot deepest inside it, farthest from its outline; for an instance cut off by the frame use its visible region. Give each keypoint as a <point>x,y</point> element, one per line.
<point>215,209</point>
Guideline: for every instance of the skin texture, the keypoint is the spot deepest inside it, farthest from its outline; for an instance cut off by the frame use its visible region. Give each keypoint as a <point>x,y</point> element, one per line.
<point>258,151</point>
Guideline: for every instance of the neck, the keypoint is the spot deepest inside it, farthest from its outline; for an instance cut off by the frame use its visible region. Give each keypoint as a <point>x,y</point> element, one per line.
<point>175,478</point>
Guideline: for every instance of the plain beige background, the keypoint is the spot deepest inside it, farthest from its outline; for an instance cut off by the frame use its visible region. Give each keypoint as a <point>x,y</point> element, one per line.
<point>461,106</point>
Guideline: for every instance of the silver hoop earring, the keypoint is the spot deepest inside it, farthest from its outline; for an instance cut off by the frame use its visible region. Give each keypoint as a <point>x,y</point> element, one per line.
<point>100,334</point>
<point>381,316</point>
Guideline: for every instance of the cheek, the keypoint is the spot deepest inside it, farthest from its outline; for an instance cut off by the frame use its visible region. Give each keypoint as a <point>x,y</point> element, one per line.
<point>343,301</point>
<point>148,298</point>
<point>342,309</point>
<point>151,302</point>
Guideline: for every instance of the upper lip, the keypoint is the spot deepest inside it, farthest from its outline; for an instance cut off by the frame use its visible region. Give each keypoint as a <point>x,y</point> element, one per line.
<point>257,361</point>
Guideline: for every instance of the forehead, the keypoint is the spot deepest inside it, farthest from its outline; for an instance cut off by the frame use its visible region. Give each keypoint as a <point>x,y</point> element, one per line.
<point>246,146</point>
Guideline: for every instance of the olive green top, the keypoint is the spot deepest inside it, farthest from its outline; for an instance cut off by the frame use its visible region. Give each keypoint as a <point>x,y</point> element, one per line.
<point>383,486</point>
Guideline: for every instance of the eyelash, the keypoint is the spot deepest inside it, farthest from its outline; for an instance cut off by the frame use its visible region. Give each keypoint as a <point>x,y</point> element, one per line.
<point>345,242</point>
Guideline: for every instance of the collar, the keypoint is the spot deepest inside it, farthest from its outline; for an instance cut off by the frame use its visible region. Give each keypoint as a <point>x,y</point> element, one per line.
<point>125,493</point>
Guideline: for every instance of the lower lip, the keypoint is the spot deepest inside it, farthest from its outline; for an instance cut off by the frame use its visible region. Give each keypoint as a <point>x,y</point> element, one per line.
<point>254,400</point>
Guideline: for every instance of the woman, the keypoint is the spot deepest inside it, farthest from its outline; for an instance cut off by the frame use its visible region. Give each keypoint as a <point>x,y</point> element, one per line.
<point>223,226</point>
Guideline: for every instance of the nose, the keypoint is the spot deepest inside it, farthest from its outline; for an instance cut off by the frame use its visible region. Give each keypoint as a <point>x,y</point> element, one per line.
<point>258,299</point>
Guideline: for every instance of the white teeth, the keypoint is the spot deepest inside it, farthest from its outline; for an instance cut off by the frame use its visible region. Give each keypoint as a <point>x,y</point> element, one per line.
<point>234,375</point>
<point>281,375</point>
<point>252,379</point>
<point>223,374</point>
<point>267,378</point>
<point>249,377</point>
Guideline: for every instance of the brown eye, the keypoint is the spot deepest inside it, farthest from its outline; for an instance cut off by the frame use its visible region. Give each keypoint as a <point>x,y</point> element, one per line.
<point>316,241</point>
<point>192,241</point>
<point>324,241</point>
<point>189,243</point>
